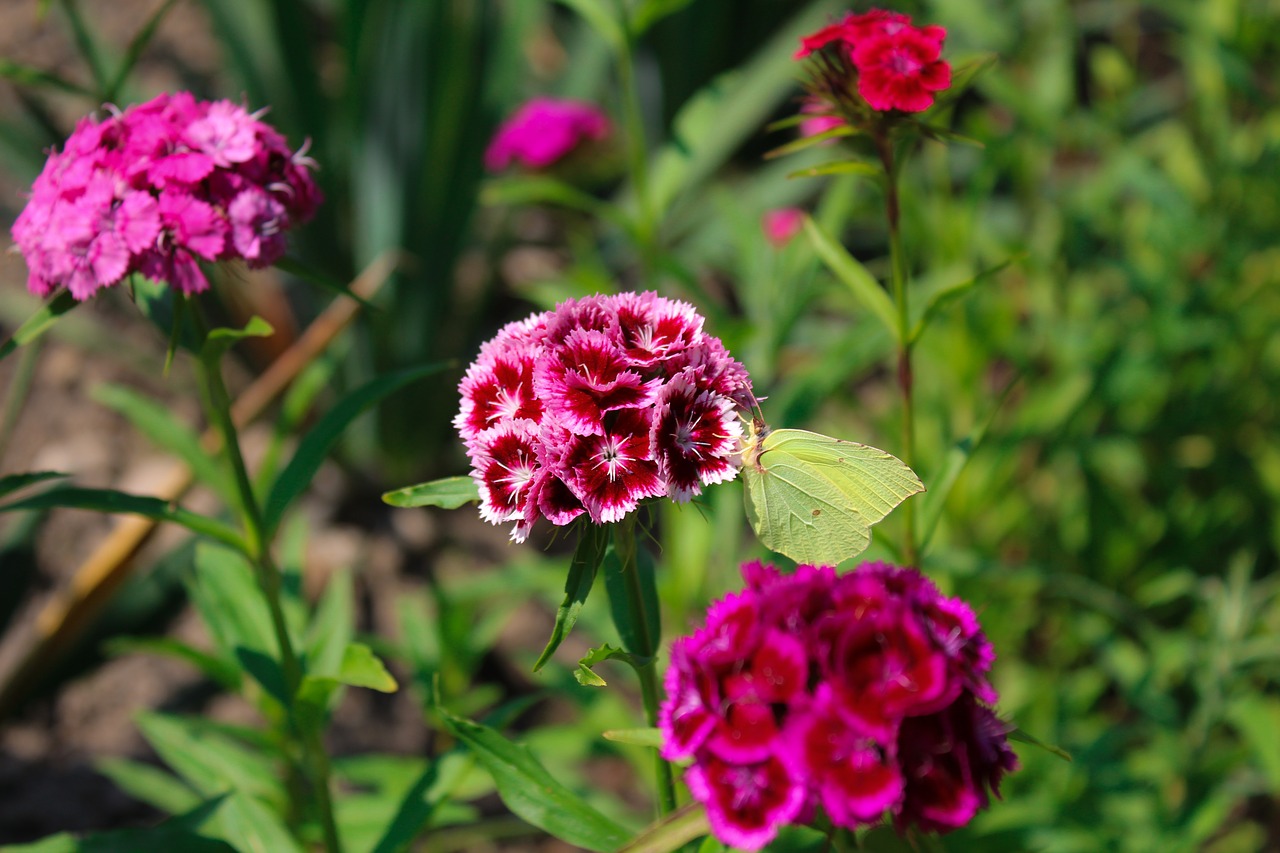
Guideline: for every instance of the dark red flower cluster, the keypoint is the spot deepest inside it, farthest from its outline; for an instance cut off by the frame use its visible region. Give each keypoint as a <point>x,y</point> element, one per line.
<point>157,187</point>
<point>598,405</point>
<point>864,693</point>
<point>898,66</point>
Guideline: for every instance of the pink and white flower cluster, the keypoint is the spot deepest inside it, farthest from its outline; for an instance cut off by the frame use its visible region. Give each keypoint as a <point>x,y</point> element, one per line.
<point>597,405</point>
<point>155,189</point>
<point>865,694</point>
<point>898,66</point>
<point>544,131</point>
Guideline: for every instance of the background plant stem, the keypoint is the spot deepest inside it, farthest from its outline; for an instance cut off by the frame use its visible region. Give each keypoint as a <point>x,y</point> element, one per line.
<point>271,582</point>
<point>637,155</point>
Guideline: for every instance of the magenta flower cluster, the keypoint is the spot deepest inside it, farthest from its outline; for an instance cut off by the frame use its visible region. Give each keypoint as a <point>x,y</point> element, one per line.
<point>543,131</point>
<point>864,694</point>
<point>157,188</point>
<point>597,405</point>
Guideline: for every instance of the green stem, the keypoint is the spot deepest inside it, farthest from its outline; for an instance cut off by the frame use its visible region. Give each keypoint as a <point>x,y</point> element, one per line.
<point>637,153</point>
<point>906,377</point>
<point>624,542</point>
<point>271,581</point>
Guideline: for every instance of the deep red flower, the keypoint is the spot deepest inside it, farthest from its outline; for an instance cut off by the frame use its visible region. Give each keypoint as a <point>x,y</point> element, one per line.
<point>902,70</point>
<point>586,376</point>
<point>504,462</point>
<point>746,803</point>
<point>695,437</point>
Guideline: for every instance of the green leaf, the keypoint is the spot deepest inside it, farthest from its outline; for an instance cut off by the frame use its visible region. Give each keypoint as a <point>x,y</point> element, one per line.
<point>315,446</point>
<point>40,322</point>
<point>839,167</point>
<point>1257,718</point>
<point>151,785</point>
<point>956,460</point>
<point>14,482</point>
<point>218,669</point>
<point>814,498</point>
<point>1017,734</point>
<point>218,341</point>
<point>226,593</point>
<point>811,140</point>
<point>602,19</point>
<point>448,493</point>
<point>672,832</point>
<point>136,46</point>
<point>540,189</point>
<point>189,833</point>
<point>362,668</point>
<point>586,676</point>
<point>586,561</point>
<point>942,134</point>
<point>333,625</point>
<point>253,827</point>
<point>26,75</point>
<point>947,295</point>
<point>650,737</point>
<point>313,276</point>
<point>861,283</point>
<point>159,425</point>
<point>534,794</point>
<point>652,11</point>
<point>210,761</point>
<point>111,501</point>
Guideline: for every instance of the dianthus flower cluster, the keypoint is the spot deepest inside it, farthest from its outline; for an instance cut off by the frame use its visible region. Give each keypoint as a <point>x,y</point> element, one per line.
<point>155,189</point>
<point>897,66</point>
<point>864,694</point>
<point>543,131</point>
<point>598,405</point>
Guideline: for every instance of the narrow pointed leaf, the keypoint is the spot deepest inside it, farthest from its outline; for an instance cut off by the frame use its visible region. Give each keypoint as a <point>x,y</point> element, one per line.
<point>39,322</point>
<point>600,15</point>
<point>948,295</point>
<point>809,141</point>
<point>14,482</point>
<point>222,671</point>
<point>26,75</point>
<point>135,49</point>
<point>313,276</point>
<point>672,832</point>
<point>159,425</point>
<point>221,340</point>
<point>317,443</point>
<point>586,561</point>
<point>651,737</point>
<point>534,794</point>
<point>841,167</point>
<point>447,493</point>
<point>150,784</point>
<point>586,674</point>
<point>1022,737</point>
<point>861,283</point>
<point>110,501</point>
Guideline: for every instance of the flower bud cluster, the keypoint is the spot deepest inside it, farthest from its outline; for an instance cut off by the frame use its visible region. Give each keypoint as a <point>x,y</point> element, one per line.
<point>864,694</point>
<point>157,188</point>
<point>597,405</point>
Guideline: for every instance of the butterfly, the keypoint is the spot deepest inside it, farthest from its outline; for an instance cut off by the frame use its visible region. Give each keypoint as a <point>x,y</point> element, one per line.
<point>814,498</point>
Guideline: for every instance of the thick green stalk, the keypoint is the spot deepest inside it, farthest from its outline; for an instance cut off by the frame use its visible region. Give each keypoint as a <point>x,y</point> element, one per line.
<point>624,542</point>
<point>906,378</point>
<point>271,582</point>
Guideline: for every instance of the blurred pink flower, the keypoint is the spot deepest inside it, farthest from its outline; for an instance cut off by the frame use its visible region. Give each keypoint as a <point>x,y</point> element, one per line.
<point>153,188</point>
<point>543,131</point>
<point>782,225</point>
